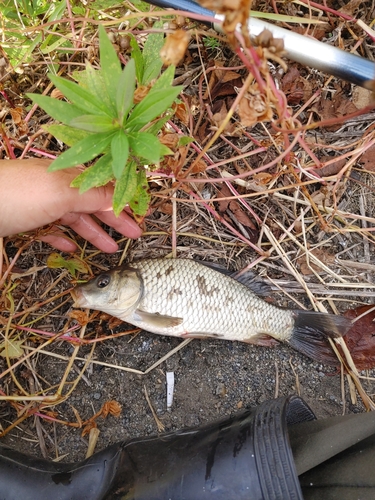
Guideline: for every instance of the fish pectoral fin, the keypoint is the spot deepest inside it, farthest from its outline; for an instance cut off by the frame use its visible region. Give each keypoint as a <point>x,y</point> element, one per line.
<point>201,335</point>
<point>156,319</point>
<point>262,339</point>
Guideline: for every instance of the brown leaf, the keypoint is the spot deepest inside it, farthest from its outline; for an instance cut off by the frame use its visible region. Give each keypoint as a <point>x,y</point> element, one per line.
<point>87,427</point>
<point>114,322</point>
<point>254,108</point>
<point>140,93</point>
<point>166,208</point>
<point>181,112</point>
<point>111,408</point>
<point>170,140</point>
<point>175,47</point>
<point>331,169</point>
<point>234,207</point>
<point>296,88</point>
<point>222,82</point>
<point>80,316</point>
<point>368,159</point>
<point>57,94</point>
<point>337,107</point>
<point>235,12</point>
<point>324,255</point>
<point>360,339</point>
<point>241,215</point>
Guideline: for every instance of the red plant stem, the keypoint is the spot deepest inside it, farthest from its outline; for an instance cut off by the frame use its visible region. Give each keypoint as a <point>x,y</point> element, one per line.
<point>247,174</point>
<point>7,98</point>
<point>7,143</point>
<point>331,11</point>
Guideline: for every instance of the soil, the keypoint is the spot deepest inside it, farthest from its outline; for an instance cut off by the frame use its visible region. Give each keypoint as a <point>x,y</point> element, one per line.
<point>213,379</point>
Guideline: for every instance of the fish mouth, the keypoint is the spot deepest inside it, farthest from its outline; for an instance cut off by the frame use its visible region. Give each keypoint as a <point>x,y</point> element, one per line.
<point>78,297</point>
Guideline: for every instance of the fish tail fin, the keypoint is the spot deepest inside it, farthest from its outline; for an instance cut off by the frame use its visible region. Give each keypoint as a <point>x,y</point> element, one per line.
<point>311,332</point>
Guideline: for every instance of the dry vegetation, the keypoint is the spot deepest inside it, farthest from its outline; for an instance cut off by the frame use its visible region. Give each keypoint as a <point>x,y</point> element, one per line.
<point>279,178</point>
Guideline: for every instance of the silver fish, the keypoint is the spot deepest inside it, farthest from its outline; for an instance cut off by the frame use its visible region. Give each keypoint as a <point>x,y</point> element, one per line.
<point>184,298</point>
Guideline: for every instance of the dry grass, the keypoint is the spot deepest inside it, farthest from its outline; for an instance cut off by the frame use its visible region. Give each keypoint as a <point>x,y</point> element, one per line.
<point>297,207</point>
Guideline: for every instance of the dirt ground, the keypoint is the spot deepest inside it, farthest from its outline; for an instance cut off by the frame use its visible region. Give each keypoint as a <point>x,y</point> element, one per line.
<point>289,210</point>
<point>213,378</point>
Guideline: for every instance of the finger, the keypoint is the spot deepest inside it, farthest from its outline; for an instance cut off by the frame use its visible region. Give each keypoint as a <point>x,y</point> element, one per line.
<point>86,227</point>
<point>59,242</point>
<point>123,224</point>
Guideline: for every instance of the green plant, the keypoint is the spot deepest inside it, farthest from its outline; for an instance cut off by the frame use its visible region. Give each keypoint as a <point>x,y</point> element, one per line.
<point>18,14</point>
<point>101,120</point>
<point>211,42</point>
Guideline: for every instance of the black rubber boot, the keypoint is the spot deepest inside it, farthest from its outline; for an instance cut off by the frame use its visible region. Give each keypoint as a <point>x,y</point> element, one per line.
<point>245,457</point>
<point>257,455</point>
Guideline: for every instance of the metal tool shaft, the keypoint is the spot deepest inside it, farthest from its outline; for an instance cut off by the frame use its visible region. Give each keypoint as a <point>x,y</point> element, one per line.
<point>299,48</point>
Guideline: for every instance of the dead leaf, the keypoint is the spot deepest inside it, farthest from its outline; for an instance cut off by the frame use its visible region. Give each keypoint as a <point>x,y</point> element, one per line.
<point>57,94</point>
<point>362,97</point>
<point>80,316</point>
<point>114,322</point>
<point>175,47</point>
<point>235,12</point>
<point>222,82</point>
<point>140,93</point>
<point>337,107</point>
<point>170,140</point>
<point>324,255</point>
<point>87,427</point>
<point>368,159</point>
<point>254,108</point>
<point>331,169</point>
<point>360,339</point>
<point>181,112</point>
<point>111,408</point>
<point>236,209</point>
<point>296,88</point>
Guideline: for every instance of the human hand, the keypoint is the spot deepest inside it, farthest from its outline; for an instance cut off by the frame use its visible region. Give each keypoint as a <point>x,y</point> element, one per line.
<point>31,197</point>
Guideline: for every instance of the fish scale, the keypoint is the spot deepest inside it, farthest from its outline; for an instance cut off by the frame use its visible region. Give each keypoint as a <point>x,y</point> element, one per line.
<point>214,311</point>
<point>182,297</point>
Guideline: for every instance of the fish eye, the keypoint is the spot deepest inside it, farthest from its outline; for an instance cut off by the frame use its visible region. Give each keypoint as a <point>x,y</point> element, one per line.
<point>103,280</point>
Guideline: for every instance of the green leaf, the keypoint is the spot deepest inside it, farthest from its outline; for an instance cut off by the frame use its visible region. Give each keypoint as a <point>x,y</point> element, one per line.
<point>153,105</point>
<point>165,150</point>
<point>141,199</point>
<point>138,59</point>
<point>145,146</point>
<point>85,150</point>
<point>109,64</point>
<point>165,80</point>
<point>97,175</point>
<point>94,82</point>
<point>125,91</point>
<point>93,123</point>
<point>125,188</point>
<point>11,348</point>
<point>80,97</point>
<point>184,140</point>
<point>56,261</point>
<point>157,125</point>
<point>151,55</point>
<point>58,110</point>
<point>120,153</point>
<point>66,134</point>
<point>53,42</point>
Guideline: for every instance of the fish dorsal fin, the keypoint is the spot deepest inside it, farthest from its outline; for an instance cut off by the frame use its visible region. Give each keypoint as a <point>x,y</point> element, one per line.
<point>157,320</point>
<point>249,279</point>
<point>252,281</point>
